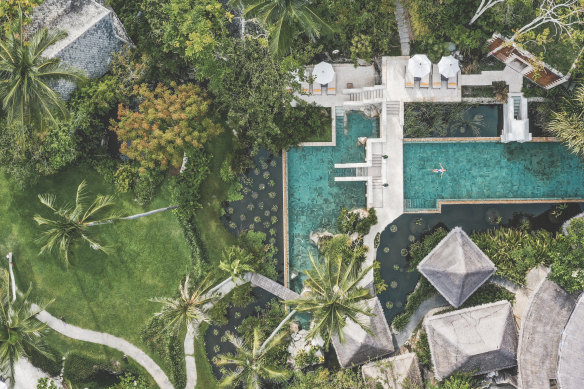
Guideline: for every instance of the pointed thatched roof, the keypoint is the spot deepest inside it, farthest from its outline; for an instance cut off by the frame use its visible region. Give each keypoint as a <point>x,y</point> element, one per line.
<point>456,267</point>
<point>478,339</point>
<point>94,33</point>
<point>392,372</point>
<point>360,347</point>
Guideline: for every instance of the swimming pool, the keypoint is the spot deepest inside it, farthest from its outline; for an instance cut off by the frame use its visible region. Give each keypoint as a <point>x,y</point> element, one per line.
<point>314,198</point>
<point>489,170</point>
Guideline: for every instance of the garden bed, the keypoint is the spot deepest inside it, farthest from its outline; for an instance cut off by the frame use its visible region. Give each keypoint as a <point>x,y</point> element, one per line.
<point>322,115</point>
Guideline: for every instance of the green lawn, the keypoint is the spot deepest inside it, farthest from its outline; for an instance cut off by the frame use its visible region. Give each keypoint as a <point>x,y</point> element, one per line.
<point>205,377</point>
<point>324,133</point>
<point>104,293</point>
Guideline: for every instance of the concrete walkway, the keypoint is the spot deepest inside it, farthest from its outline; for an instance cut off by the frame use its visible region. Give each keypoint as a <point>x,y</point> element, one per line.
<point>114,342</point>
<point>433,302</point>
<point>512,77</point>
<point>402,28</point>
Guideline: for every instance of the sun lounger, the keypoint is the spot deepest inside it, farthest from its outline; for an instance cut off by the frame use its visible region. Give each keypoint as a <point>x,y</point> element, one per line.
<point>305,87</point>
<point>316,89</point>
<point>409,79</point>
<point>425,81</point>
<point>453,82</point>
<point>436,77</point>
<point>332,86</point>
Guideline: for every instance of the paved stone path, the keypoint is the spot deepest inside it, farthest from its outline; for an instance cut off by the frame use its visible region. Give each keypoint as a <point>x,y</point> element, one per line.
<point>119,344</point>
<point>402,27</point>
<point>431,303</point>
<point>512,77</point>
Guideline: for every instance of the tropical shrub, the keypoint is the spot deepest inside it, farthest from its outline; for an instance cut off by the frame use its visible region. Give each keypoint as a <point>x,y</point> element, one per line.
<point>422,350</point>
<point>423,120</point>
<point>567,269</point>
<point>349,222</point>
<point>324,378</point>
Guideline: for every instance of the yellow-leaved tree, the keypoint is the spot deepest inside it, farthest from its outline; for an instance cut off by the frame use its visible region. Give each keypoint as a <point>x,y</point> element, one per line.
<point>168,121</point>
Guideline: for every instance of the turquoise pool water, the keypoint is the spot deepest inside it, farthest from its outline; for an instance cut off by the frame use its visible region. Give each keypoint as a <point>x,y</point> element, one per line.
<point>314,198</point>
<point>489,170</point>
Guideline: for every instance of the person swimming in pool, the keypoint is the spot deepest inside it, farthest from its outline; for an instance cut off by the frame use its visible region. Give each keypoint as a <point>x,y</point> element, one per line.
<point>441,170</point>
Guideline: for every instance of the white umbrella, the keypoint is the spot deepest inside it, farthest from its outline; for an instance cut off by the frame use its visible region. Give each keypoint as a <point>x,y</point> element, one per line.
<point>448,66</point>
<point>419,65</point>
<point>323,73</point>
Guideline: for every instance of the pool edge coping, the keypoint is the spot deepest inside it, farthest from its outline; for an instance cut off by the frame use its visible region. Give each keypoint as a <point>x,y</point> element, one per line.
<point>490,201</point>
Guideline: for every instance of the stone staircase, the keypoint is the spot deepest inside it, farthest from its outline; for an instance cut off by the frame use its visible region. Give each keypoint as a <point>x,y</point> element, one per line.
<point>392,108</point>
<point>403,28</point>
<point>366,95</point>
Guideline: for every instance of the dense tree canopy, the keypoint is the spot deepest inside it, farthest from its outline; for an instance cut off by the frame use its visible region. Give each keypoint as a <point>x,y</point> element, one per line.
<point>169,121</point>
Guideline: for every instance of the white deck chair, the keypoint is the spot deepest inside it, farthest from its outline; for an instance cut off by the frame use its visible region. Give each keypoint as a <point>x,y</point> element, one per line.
<point>332,86</point>
<point>409,79</point>
<point>305,87</point>
<point>316,89</point>
<point>436,77</point>
<point>425,81</point>
<point>453,82</point>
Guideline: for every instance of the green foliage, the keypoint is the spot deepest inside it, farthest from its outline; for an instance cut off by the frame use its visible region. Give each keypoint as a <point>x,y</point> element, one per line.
<point>324,378</point>
<point>128,381</point>
<point>422,350</point>
<point>378,281</point>
<point>418,250</point>
<point>25,78</point>
<point>186,186</point>
<point>333,296</point>
<point>363,28</point>
<point>263,253</point>
<point>283,18</point>
<point>251,89</point>
<point>341,246</point>
<point>567,269</point>
<point>515,251</point>
<point>349,222</point>
<point>424,290</point>
<point>237,261</point>
<point>458,381</point>
<point>567,122</point>
<point>92,104</point>
<point>46,383</point>
<point>488,293</point>
<point>423,120</point>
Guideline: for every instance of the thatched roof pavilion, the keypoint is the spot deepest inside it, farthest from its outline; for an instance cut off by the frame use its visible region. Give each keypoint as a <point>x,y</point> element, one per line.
<point>360,347</point>
<point>392,372</point>
<point>479,339</point>
<point>456,267</point>
<point>571,355</point>
<point>94,34</point>
<point>550,308</point>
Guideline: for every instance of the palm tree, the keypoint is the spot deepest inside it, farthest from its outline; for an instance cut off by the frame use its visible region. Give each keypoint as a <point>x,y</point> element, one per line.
<point>20,331</point>
<point>190,308</point>
<point>332,296</point>
<point>568,123</point>
<point>282,17</point>
<point>26,76</point>
<point>236,262</point>
<point>72,223</point>
<point>251,364</point>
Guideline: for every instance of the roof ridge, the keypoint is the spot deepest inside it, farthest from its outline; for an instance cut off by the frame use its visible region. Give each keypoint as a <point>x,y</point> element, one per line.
<point>465,310</point>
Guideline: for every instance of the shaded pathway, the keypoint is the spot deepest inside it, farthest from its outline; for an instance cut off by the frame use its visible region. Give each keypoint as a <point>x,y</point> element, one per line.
<point>402,27</point>
<point>429,304</point>
<point>114,342</point>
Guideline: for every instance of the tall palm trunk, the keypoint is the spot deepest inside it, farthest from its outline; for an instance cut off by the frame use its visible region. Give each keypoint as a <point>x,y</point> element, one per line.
<point>132,217</point>
<point>286,319</point>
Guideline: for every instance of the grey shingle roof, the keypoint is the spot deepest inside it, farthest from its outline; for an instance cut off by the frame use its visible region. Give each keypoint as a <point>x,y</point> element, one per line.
<point>360,347</point>
<point>456,267</point>
<point>94,34</point>
<point>571,354</point>
<point>391,372</point>
<point>542,324</point>
<point>478,339</point>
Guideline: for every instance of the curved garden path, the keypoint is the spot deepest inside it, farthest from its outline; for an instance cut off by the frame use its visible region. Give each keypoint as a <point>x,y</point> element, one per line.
<point>428,304</point>
<point>114,342</point>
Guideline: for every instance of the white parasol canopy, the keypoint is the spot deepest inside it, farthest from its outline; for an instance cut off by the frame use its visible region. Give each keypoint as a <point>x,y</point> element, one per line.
<point>323,73</point>
<point>419,65</point>
<point>448,66</point>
